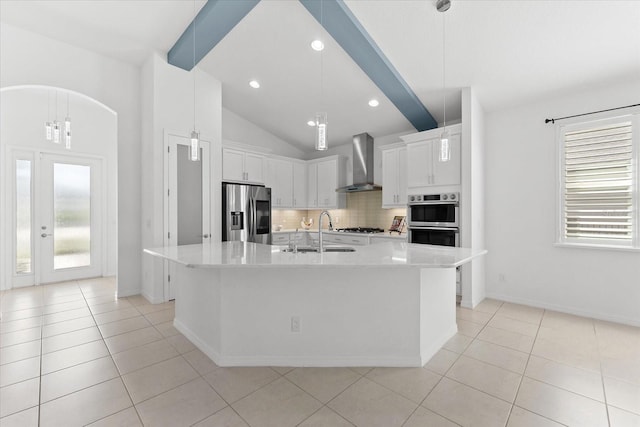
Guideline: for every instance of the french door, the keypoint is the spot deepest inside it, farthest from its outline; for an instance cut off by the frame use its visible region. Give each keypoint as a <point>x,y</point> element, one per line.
<point>57,218</point>
<point>188,190</point>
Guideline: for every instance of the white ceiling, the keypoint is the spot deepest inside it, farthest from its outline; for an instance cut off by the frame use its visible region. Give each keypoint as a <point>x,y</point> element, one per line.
<point>510,51</point>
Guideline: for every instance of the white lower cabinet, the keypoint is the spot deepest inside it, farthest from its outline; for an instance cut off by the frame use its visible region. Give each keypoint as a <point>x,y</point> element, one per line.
<point>344,238</point>
<point>310,238</point>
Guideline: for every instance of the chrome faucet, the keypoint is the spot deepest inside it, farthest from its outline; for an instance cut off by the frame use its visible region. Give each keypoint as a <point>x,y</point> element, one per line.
<point>320,246</point>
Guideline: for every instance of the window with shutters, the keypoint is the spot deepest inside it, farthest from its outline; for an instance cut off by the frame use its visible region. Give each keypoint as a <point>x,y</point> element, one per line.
<point>599,183</point>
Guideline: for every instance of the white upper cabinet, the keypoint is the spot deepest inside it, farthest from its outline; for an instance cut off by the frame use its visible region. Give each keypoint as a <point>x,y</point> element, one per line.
<point>423,167</point>
<point>394,177</point>
<point>299,185</point>
<point>242,166</point>
<point>280,178</point>
<point>312,185</point>
<point>327,174</point>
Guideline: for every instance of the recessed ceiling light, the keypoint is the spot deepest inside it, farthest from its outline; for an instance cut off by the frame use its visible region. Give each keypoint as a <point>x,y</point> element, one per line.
<point>254,84</point>
<point>311,123</point>
<point>373,103</point>
<point>317,45</point>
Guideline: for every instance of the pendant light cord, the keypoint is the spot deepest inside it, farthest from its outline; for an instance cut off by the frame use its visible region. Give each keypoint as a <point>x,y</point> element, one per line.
<point>444,88</point>
<point>321,55</point>
<point>194,65</point>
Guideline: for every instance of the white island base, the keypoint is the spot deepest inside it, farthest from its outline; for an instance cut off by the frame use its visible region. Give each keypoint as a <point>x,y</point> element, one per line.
<point>344,316</point>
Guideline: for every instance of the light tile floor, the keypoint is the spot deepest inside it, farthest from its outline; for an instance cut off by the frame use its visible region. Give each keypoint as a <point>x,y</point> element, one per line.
<point>72,354</point>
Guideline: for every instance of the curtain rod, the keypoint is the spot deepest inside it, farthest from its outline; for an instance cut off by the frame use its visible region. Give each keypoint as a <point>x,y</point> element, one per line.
<point>593,112</point>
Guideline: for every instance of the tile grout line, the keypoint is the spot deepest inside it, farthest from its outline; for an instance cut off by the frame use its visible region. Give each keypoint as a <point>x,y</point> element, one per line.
<point>604,390</point>
<point>41,357</point>
<point>112,361</point>
<point>449,368</point>
<point>515,397</point>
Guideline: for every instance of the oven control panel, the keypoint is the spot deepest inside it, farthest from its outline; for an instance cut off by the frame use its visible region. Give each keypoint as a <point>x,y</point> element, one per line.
<point>442,197</point>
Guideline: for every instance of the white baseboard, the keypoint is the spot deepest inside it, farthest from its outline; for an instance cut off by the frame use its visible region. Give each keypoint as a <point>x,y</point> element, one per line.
<point>436,345</point>
<point>564,309</point>
<point>128,292</point>
<point>150,299</point>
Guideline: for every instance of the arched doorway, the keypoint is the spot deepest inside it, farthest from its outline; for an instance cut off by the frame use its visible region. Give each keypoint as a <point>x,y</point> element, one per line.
<point>58,204</point>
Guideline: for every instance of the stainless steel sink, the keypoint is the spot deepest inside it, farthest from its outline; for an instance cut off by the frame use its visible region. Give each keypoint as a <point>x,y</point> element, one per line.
<point>305,249</point>
<point>301,249</point>
<point>338,249</point>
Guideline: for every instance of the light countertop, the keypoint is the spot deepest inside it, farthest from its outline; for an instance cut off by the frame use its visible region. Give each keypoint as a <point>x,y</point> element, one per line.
<point>243,254</point>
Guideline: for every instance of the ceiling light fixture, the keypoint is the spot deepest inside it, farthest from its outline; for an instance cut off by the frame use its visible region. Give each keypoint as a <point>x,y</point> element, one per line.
<point>317,45</point>
<point>374,103</point>
<point>321,117</point>
<point>311,123</point>
<point>194,146</point>
<point>254,84</point>
<point>445,149</point>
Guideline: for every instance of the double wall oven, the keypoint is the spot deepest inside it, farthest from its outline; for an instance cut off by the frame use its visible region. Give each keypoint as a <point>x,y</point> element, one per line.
<point>434,219</point>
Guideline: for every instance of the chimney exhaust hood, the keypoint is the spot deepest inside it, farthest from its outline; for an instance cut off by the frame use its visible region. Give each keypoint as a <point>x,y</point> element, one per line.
<point>362,165</point>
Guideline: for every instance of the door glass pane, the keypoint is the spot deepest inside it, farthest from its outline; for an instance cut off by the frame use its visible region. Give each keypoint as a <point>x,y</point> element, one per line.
<point>189,198</point>
<point>72,215</point>
<point>23,216</point>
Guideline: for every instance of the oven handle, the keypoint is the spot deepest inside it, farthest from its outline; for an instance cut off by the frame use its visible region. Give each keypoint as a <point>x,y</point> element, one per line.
<point>454,229</point>
<point>455,202</point>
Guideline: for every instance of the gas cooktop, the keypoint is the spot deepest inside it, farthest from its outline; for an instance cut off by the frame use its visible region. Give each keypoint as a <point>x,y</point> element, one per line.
<point>366,230</point>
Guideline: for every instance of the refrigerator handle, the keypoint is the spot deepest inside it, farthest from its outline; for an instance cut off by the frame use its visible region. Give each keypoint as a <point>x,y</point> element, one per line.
<point>252,213</point>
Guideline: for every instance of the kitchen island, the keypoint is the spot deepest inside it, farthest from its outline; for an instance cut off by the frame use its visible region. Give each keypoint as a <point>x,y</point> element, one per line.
<point>248,304</point>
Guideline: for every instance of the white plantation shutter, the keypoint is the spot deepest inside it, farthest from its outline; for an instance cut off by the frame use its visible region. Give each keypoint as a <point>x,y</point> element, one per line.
<point>598,194</point>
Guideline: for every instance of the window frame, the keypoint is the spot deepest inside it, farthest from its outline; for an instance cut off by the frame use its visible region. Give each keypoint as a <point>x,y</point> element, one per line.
<point>632,115</point>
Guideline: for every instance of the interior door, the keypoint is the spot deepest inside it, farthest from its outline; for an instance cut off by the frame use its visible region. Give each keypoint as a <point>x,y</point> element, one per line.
<point>189,199</point>
<point>70,218</point>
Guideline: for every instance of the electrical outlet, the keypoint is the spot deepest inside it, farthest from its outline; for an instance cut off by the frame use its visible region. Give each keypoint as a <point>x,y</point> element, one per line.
<point>295,324</point>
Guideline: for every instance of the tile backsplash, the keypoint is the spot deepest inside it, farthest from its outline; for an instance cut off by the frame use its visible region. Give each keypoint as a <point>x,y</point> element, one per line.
<point>363,210</point>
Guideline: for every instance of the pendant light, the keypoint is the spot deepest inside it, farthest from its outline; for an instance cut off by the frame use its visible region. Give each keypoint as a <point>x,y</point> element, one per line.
<point>321,117</point>
<point>56,125</point>
<point>445,149</point>
<point>194,146</point>
<point>48,126</point>
<point>321,131</point>
<point>67,127</point>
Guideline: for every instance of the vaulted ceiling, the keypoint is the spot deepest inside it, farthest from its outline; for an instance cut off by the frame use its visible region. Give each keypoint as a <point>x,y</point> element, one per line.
<point>511,53</point>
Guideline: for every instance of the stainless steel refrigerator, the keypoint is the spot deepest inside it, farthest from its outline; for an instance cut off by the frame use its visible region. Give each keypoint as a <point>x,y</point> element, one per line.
<point>246,213</point>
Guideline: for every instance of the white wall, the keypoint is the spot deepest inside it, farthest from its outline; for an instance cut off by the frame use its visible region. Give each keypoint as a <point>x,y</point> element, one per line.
<point>236,129</point>
<point>167,104</point>
<point>94,133</point>
<point>522,182</point>
<point>31,59</point>
<point>472,197</point>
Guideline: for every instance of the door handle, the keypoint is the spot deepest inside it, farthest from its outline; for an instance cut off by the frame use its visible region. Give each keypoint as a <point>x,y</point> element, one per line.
<point>45,235</point>
<point>206,236</point>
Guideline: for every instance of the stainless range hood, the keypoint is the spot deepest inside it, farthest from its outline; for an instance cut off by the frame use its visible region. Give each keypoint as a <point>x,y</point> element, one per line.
<point>362,165</point>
